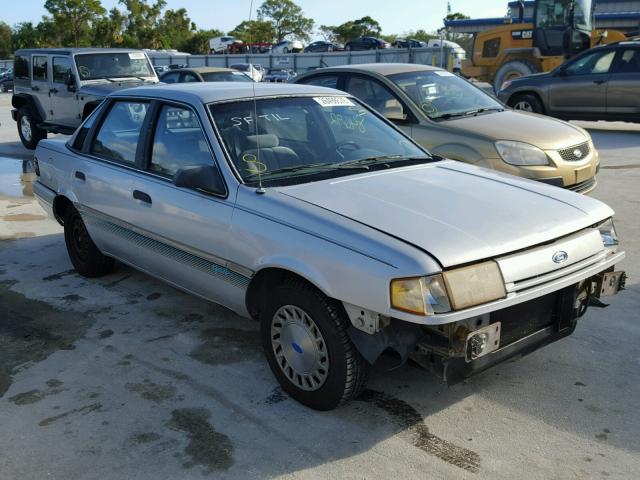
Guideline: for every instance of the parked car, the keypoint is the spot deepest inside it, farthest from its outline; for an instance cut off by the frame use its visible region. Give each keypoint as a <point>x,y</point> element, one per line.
<point>323,46</point>
<point>303,208</point>
<point>204,74</point>
<point>602,83</point>
<point>366,43</point>
<point>279,75</point>
<point>287,46</point>
<point>249,69</point>
<point>455,119</point>
<point>160,69</point>
<point>6,82</point>
<point>223,44</point>
<point>408,43</point>
<point>56,88</point>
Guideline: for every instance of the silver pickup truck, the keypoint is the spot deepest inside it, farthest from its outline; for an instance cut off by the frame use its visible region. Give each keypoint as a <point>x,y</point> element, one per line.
<point>305,209</point>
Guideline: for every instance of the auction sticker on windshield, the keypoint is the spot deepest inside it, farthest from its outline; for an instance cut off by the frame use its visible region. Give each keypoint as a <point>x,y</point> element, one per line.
<point>334,101</point>
<point>136,55</point>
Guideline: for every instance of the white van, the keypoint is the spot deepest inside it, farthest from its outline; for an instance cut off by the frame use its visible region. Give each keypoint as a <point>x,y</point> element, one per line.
<point>222,44</point>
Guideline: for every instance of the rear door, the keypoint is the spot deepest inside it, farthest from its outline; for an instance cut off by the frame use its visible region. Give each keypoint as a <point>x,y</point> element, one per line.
<point>582,90</point>
<point>40,84</point>
<point>64,105</point>
<point>623,92</point>
<point>184,232</point>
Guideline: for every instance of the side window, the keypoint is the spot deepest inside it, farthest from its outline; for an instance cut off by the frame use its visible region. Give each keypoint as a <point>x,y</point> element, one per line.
<point>329,81</point>
<point>178,142</point>
<point>190,77</point>
<point>491,48</point>
<point>61,69</point>
<point>593,63</point>
<point>21,68</point>
<point>77,140</point>
<point>375,95</point>
<point>117,138</point>
<point>172,77</point>
<point>628,61</point>
<point>40,68</point>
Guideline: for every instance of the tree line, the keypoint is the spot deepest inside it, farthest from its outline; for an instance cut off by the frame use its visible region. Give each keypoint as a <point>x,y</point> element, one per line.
<point>149,24</point>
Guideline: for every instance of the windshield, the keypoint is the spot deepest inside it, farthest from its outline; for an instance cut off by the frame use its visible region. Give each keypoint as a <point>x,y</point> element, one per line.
<point>557,13</point>
<point>226,77</point>
<point>241,67</point>
<point>300,139</point>
<point>113,65</point>
<point>441,94</point>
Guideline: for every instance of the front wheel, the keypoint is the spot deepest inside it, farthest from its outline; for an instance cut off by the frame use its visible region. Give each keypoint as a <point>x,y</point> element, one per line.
<point>527,103</point>
<point>86,258</point>
<point>30,133</point>
<point>304,336</point>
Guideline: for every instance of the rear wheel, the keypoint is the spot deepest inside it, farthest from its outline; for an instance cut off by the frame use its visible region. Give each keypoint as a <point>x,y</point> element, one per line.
<point>30,133</point>
<point>526,103</point>
<point>513,69</point>
<point>86,258</point>
<point>304,336</point>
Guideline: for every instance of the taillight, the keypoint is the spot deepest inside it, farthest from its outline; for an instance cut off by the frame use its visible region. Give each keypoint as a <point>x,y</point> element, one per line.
<point>36,166</point>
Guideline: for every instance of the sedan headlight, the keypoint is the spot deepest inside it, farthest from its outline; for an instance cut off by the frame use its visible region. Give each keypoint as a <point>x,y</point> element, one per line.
<point>452,290</point>
<point>519,153</point>
<point>608,233</point>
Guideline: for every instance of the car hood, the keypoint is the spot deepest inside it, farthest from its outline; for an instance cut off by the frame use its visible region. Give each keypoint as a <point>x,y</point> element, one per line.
<point>543,132</point>
<point>457,213</point>
<point>105,89</point>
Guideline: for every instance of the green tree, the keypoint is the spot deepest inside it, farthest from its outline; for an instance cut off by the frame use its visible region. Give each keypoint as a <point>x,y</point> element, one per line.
<point>26,35</point>
<point>286,18</point>
<point>73,18</point>
<point>6,47</point>
<point>107,30</point>
<point>254,31</point>
<point>175,29</point>
<point>141,23</point>
<point>365,26</point>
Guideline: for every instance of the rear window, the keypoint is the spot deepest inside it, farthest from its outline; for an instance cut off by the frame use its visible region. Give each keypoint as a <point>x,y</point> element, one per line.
<point>21,67</point>
<point>118,136</point>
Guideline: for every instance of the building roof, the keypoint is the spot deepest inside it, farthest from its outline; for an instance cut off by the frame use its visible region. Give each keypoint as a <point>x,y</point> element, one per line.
<point>208,92</point>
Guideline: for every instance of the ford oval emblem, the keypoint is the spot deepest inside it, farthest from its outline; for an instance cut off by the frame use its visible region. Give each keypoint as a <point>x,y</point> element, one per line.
<point>560,256</point>
<point>578,153</point>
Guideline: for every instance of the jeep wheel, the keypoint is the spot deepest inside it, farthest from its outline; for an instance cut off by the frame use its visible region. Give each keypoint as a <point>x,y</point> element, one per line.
<point>87,260</point>
<point>29,132</point>
<point>304,336</point>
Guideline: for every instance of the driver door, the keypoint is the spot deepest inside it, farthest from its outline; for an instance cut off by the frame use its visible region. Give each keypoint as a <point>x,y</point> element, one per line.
<point>580,89</point>
<point>64,105</point>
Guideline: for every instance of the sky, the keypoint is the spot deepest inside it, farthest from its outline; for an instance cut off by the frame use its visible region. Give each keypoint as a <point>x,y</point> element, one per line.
<point>394,16</point>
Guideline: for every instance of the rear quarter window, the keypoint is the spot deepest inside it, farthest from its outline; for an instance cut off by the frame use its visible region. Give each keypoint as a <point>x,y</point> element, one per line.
<point>21,67</point>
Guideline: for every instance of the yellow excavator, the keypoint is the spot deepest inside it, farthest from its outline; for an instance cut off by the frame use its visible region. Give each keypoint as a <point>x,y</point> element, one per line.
<point>560,30</point>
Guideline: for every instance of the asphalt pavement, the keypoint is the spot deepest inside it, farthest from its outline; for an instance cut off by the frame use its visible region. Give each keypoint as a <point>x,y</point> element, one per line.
<point>124,377</point>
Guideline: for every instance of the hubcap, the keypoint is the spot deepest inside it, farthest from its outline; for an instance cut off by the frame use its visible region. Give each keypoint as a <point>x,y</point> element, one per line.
<point>299,347</point>
<point>526,106</point>
<point>25,128</point>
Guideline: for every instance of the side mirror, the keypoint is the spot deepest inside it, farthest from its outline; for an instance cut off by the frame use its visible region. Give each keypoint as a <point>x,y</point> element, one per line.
<point>393,111</point>
<point>200,177</point>
<point>70,82</point>
<point>561,72</point>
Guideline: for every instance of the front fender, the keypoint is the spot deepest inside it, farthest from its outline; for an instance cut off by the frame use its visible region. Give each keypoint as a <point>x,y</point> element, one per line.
<point>458,151</point>
<point>304,270</point>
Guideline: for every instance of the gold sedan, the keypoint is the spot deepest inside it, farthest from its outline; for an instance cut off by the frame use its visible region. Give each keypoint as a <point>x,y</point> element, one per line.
<point>453,118</point>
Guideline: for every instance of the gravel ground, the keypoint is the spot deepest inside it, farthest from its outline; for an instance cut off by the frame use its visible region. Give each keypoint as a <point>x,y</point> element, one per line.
<point>124,377</point>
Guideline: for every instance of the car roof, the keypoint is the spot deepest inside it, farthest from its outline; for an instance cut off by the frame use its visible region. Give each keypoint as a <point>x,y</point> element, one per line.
<point>72,51</point>
<point>208,92</point>
<point>380,68</point>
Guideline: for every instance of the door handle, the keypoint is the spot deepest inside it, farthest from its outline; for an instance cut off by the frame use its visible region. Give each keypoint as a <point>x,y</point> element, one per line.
<point>599,82</point>
<point>143,197</point>
<point>53,90</point>
<point>80,176</point>
<point>35,89</point>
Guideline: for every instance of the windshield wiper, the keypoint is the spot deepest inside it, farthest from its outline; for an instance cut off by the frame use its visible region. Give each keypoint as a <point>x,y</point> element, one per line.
<point>468,113</point>
<point>385,159</point>
<point>313,166</point>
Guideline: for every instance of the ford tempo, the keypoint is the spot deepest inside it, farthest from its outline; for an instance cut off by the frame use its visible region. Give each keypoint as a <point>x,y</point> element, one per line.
<point>303,208</point>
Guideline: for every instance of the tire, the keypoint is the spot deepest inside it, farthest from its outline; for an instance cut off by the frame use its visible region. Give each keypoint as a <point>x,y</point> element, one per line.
<point>348,48</point>
<point>513,69</point>
<point>87,260</point>
<point>28,130</point>
<point>334,371</point>
<point>527,103</point>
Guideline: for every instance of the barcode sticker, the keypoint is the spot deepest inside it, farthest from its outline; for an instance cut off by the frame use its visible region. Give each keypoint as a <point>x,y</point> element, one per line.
<point>334,101</point>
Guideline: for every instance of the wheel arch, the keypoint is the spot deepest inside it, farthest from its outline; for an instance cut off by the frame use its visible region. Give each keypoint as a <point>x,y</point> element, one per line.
<point>61,204</point>
<point>515,95</point>
<point>22,100</point>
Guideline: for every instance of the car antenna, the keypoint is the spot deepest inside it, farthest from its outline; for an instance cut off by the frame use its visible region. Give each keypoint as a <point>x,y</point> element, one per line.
<point>260,190</point>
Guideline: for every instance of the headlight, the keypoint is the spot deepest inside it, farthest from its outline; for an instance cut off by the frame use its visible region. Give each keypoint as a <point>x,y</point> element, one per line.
<point>519,153</point>
<point>420,295</point>
<point>505,85</point>
<point>608,233</point>
<point>452,290</point>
